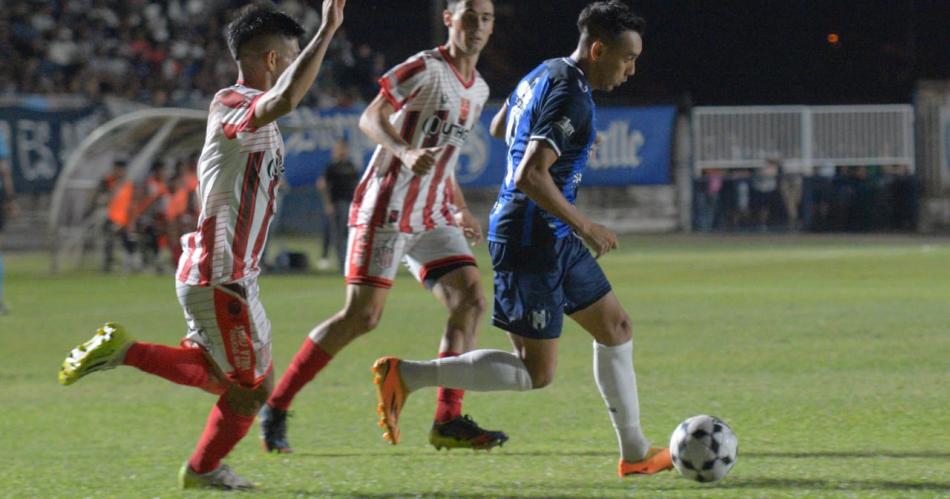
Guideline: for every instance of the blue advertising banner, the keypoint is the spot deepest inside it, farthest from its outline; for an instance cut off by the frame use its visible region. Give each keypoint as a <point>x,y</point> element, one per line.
<point>635,146</point>
<point>39,142</point>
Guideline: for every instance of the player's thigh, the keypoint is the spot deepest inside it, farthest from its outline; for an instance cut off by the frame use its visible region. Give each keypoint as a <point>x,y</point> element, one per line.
<point>373,255</point>
<point>434,254</point>
<point>228,321</point>
<point>528,297</point>
<point>461,289</point>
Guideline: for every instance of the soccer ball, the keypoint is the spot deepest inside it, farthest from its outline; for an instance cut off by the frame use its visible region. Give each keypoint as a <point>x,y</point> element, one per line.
<point>703,448</point>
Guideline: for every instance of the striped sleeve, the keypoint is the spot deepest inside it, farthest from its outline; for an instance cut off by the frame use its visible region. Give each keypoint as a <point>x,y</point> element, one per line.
<point>236,110</point>
<point>402,82</point>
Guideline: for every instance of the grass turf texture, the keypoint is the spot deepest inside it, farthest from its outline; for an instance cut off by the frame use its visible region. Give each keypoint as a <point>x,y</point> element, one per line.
<point>828,356</point>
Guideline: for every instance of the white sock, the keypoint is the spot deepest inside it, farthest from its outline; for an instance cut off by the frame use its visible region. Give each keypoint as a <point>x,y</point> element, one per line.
<point>613,372</point>
<point>478,370</point>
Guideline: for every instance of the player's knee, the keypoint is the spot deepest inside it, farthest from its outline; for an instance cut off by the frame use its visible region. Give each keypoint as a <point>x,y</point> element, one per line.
<point>471,301</point>
<point>621,330</point>
<point>624,328</point>
<point>541,378</point>
<point>362,321</point>
<point>246,401</point>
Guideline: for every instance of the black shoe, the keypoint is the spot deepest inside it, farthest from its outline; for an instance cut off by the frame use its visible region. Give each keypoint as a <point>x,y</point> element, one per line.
<point>274,430</point>
<point>464,432</point>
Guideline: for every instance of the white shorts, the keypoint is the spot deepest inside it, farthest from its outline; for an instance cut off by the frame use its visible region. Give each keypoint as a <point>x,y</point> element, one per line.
<point>373,254</point>
<point>229,323</point>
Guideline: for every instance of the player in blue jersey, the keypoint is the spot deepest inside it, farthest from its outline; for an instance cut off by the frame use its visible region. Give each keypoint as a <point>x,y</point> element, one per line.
<point>537,241</point>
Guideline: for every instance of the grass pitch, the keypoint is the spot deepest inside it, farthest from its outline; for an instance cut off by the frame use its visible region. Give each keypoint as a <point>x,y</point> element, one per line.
<point>828,356</point>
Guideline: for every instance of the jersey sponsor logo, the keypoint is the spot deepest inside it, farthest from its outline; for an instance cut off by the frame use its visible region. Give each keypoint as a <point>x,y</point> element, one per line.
<point>455,133</point>
<point>565,126</point>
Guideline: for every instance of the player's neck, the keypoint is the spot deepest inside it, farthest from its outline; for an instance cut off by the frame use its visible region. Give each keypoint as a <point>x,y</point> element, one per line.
<point>583,63</point>
<point>464,63</point>
<point>260,82</point>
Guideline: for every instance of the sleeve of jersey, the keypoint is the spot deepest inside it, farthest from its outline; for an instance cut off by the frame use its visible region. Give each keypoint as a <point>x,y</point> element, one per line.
<point>236,111</point>
<point>401,83</point>
<point>561,114</point>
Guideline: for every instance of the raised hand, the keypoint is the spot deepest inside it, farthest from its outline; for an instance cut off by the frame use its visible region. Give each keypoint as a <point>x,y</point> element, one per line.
<point>333,13</point>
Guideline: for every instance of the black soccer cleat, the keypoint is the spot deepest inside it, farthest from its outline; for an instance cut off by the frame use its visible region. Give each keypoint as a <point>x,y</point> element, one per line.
<point>463,432</point>
<point>274,430</point>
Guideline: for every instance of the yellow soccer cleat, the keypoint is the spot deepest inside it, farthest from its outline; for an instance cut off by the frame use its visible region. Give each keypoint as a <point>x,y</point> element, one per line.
<point>656,460</point>
<point>104,350</point>
<point>391,395</point>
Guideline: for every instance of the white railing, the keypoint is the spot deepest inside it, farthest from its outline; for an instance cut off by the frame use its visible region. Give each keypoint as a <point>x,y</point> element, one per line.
<point>802,137</point>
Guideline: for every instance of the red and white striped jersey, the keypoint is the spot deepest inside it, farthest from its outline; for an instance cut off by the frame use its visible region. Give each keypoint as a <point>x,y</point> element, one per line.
<point>434,107</point>
<point>238,171</point>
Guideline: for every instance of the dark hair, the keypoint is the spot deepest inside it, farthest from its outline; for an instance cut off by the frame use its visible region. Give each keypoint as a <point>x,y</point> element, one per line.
<point>606,19</point>
<point>258,20</point>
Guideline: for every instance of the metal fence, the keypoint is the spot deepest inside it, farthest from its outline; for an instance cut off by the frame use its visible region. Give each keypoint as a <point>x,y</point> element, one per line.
<point>802,137</point>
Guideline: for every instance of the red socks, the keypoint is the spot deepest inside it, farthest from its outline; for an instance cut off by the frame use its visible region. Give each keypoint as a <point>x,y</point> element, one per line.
<point>225,428</point>
<point>184,366</point>
<point>450,399</point>
<point>308,361</point>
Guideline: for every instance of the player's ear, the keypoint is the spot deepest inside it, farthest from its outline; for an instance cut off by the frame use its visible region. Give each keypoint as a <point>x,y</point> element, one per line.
<point>447,18</point>
<point>597,50</point>
<point>270,57</point>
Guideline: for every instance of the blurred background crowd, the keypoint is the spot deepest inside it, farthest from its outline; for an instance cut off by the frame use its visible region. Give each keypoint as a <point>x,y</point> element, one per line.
<point>160,53</point>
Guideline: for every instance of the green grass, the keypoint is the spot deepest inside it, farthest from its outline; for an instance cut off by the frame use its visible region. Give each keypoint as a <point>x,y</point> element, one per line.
<point>830,357</point>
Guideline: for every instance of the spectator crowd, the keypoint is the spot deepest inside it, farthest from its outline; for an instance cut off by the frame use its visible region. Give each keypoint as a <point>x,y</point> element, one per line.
<point>833,199</point>
<point>160,53</point>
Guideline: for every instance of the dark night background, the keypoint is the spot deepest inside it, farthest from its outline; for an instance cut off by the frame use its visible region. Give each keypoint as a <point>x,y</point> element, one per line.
<point>709,52</point>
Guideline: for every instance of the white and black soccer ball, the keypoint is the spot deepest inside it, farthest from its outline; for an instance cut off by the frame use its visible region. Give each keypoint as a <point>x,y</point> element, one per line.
<point>704,448</point>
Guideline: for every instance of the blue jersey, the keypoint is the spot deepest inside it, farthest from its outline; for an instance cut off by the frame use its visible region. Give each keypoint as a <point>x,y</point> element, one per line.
<point>552,103</point>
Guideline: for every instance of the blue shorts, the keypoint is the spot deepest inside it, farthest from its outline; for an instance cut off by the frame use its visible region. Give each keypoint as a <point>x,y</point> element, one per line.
<point>536,285</point>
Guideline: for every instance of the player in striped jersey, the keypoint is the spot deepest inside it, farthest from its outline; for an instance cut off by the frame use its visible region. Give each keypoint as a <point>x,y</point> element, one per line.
<point>227,350</point>
<point>408,207</point>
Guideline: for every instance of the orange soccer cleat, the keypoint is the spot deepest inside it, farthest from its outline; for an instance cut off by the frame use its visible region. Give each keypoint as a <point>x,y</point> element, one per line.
<point>656,460</point>
<point>391,394</point>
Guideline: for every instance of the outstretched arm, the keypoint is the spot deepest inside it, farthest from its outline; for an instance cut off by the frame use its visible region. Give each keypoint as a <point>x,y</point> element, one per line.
<point>294,83</point>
